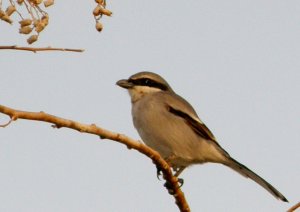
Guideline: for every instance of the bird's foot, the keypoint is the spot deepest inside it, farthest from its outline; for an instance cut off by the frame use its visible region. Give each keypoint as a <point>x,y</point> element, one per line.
<point>158,172</point>
<point>180,182</point>
<point>169,186</point>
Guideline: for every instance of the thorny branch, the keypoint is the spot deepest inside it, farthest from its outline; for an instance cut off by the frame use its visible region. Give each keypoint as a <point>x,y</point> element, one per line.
<point>105,134</point>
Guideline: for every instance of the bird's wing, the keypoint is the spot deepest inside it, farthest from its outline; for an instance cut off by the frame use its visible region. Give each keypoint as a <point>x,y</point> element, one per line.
<point>199,127</point>
<point>180,107</point>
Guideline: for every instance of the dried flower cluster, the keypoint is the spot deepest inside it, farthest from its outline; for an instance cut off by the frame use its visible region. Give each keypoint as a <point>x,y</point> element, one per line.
<point>37,18</point>
<point>99,11</point>
<point>33,19</point>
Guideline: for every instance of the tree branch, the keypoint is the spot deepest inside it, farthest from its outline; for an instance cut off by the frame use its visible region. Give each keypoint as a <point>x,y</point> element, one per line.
<point>292,209</point>
<point>103,133</point>
<point>32,49</point>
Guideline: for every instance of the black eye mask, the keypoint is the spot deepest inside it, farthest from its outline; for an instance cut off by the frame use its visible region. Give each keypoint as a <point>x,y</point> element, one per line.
<point>148,82</point>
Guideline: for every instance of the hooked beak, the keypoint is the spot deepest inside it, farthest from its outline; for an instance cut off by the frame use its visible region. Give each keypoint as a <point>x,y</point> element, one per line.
<point>124,84</point>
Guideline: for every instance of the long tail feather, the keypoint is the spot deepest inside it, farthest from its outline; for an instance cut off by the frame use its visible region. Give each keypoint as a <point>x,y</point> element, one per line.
<point>246,172</point>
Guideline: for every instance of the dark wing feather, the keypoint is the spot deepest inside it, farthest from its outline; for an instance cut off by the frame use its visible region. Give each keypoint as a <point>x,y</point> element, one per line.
<point>181,108</point>
<point>198,127</point>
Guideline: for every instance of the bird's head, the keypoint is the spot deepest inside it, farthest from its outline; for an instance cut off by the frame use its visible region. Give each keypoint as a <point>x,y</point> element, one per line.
<point>143,83</point>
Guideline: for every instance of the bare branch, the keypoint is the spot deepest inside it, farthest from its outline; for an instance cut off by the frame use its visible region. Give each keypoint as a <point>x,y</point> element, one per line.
<point>32,49</point>
<point>103,133</point>
<point>292,209</point>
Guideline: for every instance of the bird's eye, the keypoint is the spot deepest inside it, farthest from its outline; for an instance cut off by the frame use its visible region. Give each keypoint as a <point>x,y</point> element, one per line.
<point>146,81</point>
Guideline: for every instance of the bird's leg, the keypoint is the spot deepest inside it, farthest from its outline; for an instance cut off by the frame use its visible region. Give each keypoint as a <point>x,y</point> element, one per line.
<point>158,169</point>
<point>177,173</point>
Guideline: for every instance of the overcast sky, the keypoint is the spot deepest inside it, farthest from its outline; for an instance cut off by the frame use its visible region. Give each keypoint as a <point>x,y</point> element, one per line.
<point>236,62</point>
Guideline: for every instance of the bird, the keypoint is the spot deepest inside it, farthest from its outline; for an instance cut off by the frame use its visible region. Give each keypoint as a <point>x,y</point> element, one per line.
<point>167,123</point>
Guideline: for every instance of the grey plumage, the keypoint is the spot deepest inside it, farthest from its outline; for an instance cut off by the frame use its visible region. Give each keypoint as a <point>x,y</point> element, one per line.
<point>169,124</point>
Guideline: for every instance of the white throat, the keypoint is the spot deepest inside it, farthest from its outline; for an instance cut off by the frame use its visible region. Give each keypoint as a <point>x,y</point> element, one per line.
<point>137,92</point>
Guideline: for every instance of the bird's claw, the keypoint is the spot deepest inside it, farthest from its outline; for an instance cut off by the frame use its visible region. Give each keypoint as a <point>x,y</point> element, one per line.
<point>158,172</point>
<point>180,182</point>
<point>169,186</point>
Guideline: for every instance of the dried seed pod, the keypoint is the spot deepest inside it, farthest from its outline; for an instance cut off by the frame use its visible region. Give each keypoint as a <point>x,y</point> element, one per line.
<point>32,39</point>
<point>39,27</point>
<point>25,30</point>
<point>105,11</point>
<point>6,18</point>
<point>45,20</point>
<point>99,26</point>
<point>48,3</point>
<point>20,2</point>
<point>2,13</point>
<point>35,22</point>
<point>97,10</point>
<point>25,22</point>
<point>10,10</point>
<point>36,2</point>
<point>99,1</point>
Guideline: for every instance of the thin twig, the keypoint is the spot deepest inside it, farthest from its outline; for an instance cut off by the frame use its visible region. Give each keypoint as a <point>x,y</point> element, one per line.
<point>11,2</point>
<point>40,10</point>
<point>32,49</point>
<point>292,209</point>
<point>5,125</point>
<point>28,9</point>
<point>103,133</point>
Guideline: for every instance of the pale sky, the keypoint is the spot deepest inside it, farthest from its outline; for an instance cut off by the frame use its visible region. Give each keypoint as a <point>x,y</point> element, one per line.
<point>236,62</point>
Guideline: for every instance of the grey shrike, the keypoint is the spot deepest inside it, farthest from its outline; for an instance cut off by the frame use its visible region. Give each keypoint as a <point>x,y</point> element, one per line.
<point>168,124</point>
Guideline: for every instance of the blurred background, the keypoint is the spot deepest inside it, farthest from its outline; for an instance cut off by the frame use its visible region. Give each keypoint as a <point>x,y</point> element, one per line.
<point>236,62</point>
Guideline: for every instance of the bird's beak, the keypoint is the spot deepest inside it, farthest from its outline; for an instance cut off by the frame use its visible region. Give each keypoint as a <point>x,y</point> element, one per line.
<point>124,84</point>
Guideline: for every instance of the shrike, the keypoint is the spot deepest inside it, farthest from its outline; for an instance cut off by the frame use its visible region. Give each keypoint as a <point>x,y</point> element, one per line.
<point>168,124</point>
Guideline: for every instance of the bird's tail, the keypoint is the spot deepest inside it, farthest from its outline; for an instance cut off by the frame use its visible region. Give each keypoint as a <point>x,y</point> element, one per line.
<point>246,172</point>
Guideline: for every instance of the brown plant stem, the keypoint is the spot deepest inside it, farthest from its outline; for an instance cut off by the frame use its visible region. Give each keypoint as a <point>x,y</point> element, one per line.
<point>105,134</point>
<point>292,209</point>
<point>32,49</point>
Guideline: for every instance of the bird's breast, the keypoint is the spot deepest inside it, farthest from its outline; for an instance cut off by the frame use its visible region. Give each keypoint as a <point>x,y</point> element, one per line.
<point>149,120</point>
